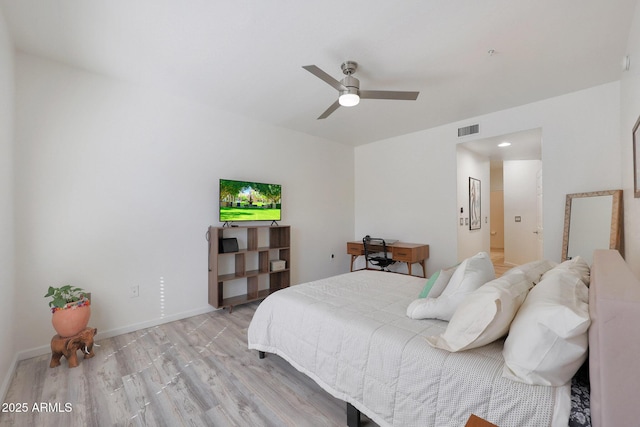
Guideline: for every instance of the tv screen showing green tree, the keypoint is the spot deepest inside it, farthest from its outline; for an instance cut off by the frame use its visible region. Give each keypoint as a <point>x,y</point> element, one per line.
<point>249,201</point>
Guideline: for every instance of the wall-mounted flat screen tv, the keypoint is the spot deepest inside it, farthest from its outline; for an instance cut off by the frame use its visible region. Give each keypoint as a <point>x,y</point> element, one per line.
<point>249,201</point>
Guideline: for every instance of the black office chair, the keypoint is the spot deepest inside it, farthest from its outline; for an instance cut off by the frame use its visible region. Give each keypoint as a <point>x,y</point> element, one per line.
<point>374,255</point>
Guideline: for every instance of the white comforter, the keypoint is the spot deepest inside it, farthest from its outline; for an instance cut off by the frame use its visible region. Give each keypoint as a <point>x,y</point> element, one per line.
<point>350,334</point>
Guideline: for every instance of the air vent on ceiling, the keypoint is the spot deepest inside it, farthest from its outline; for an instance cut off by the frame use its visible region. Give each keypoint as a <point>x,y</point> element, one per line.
<point>468,130</point>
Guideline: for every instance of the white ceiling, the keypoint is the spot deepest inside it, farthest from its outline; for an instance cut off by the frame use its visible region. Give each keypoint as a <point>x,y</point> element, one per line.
<point>245,56</point>
<point>525,145</point>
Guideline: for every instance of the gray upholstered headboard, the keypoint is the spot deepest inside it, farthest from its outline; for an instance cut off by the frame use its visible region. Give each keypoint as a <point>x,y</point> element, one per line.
<point>614,341</point>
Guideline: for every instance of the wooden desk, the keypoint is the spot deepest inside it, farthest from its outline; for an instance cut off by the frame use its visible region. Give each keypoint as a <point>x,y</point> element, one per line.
<point>410,253</point>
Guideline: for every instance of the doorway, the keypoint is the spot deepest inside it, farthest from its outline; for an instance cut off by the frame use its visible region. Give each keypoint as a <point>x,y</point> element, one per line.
<point>496,226</point>
<point>514,229</point>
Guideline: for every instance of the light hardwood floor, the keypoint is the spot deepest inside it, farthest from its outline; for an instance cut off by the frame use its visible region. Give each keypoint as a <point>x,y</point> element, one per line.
<point>193,372</point>
<point>497,258</point>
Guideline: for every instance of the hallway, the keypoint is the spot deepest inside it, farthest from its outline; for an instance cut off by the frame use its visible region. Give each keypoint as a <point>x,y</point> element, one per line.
<point>497,258</point>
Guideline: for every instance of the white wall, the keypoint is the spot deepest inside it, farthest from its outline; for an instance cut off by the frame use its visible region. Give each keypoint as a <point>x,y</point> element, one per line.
<point>630,110</point>
<point>580,152</point>
<point>7,272</point>
<point>405,188</point>
<point>469,164</point>
<point>116,185</point>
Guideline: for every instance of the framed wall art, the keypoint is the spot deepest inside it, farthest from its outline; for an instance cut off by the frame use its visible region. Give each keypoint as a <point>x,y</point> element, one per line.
<point>475,221</point>
<point>636,159</point>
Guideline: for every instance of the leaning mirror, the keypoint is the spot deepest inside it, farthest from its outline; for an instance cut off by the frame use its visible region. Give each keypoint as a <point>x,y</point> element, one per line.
<point>592,221</point>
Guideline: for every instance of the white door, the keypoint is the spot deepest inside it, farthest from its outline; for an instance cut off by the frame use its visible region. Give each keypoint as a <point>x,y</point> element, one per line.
<point>521,242</point>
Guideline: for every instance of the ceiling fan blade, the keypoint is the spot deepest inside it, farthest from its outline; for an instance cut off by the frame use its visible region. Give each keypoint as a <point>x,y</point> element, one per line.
<point>329,110</point>
<point>325,77</point>
<point>389,94</point>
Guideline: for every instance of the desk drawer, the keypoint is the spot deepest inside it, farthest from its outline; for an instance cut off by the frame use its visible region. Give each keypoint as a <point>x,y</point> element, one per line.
<point>403,254</point>
<point>355,249</point>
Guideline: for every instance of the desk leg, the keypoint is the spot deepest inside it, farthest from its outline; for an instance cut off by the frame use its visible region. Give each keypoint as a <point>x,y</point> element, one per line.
<point>353,259</point>
<point>422,264</point>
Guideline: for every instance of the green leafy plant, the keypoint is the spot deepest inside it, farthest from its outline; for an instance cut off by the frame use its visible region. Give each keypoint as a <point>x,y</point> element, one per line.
<point>64,295</point>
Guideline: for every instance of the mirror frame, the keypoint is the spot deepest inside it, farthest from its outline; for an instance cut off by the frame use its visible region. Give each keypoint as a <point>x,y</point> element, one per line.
<point>636,161</point>
<point>616,240</point>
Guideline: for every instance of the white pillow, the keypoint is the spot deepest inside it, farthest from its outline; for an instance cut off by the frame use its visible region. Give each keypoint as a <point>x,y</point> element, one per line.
<point>577,266</point>
<point>469,275</point>
<point>533,270</point>
<point>485,314</point>
<point>548,341</point>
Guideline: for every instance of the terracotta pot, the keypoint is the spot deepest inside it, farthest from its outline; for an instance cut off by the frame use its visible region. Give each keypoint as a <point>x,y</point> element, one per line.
<point>71,320</point>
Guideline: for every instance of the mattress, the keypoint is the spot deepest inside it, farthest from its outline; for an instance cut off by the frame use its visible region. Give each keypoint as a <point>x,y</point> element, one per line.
<point>350,334</point>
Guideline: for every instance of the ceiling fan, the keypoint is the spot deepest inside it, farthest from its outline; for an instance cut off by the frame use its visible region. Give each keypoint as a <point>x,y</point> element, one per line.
<point>349,88</point>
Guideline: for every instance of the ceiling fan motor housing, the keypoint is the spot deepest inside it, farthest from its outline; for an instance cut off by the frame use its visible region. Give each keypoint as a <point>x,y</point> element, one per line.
<point>351,83</point>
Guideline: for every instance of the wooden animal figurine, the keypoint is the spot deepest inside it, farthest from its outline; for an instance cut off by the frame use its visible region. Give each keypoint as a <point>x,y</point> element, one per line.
<point>68,347</point>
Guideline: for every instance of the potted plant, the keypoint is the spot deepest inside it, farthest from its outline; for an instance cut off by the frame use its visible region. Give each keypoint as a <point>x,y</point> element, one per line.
<point>71,309</point>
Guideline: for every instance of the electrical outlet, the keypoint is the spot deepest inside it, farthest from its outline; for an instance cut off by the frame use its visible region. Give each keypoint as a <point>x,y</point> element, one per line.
<point>134,291</point>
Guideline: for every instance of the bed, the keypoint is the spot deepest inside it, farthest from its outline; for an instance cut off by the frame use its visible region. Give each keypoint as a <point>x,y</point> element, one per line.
<point>351,335</point>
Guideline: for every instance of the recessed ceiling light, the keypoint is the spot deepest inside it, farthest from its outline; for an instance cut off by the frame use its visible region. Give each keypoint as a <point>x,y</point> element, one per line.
<point>504,144</point>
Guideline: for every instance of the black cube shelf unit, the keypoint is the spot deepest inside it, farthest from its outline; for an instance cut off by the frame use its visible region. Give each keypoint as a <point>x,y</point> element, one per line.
<point>252,262</point>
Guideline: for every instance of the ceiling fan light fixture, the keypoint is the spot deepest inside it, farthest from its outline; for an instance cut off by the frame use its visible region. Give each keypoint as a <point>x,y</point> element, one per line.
<point>349,99</point>
<point>350,96</point>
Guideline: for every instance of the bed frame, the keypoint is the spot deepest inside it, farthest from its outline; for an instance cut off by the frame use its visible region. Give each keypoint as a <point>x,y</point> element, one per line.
<point>614,341</point>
